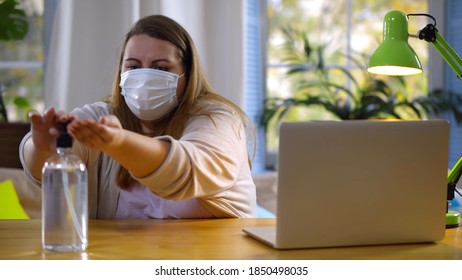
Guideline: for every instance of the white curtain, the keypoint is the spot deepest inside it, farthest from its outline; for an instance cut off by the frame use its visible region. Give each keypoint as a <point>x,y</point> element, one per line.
<point>87,37</point>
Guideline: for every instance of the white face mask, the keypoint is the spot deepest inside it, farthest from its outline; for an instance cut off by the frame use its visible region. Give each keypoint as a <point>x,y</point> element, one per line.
<point>149,93</point>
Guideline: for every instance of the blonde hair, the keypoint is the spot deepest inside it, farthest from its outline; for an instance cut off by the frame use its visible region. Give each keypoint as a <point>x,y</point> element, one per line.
<point>197,85</point>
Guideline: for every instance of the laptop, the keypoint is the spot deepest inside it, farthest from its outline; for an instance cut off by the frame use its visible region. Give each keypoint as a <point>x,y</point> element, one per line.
<point>354,183</point>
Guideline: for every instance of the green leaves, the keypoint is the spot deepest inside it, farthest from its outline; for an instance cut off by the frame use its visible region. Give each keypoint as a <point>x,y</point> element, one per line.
<point>13,21</point>
<point>318,84</point>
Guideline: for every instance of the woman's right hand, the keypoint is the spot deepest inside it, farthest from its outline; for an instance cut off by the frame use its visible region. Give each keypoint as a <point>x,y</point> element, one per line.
<point>45,128</point>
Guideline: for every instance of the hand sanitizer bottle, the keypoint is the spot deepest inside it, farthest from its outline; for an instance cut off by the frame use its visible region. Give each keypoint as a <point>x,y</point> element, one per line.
<point>64,199</point>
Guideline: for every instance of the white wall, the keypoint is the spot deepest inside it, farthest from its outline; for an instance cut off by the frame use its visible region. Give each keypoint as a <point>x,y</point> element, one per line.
<point>436,73</point>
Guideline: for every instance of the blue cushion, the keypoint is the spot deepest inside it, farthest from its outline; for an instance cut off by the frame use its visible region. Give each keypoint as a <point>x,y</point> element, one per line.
<point>263,213</point>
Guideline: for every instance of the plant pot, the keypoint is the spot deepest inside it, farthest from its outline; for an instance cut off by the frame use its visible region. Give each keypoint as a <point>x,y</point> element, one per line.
<point>11,134</point>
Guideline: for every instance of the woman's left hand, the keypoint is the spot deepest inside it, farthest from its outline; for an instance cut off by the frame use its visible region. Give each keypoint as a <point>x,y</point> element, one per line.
<point>99,135</point>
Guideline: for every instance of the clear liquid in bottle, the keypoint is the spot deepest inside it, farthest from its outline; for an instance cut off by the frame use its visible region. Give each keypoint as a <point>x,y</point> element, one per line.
<point>64,201</point>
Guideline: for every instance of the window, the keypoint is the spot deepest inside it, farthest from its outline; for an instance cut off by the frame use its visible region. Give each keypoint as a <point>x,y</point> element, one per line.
<point>254,74</point>
<point>22,65</point>
<point>340,30</point>
<point>453,36</point>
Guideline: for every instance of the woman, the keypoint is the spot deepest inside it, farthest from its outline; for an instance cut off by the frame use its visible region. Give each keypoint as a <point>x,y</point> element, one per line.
<point>164,145</point>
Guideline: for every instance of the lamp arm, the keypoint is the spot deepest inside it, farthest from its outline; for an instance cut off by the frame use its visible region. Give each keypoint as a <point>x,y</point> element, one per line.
<point>453,177</point>
<point>430,34</point>
<point>448,54</point>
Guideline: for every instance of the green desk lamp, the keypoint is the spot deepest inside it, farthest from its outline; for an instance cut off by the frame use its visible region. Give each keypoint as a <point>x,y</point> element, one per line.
<point>396,57</point>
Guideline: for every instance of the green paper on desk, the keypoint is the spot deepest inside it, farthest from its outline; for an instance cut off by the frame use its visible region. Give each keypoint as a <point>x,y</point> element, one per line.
<point>10,207</point>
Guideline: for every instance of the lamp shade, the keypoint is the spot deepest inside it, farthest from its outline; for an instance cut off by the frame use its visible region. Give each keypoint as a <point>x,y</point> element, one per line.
<point>394,56</point>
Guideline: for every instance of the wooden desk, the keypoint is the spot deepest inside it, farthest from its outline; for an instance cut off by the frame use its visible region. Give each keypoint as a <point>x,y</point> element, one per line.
<point>200,239</point>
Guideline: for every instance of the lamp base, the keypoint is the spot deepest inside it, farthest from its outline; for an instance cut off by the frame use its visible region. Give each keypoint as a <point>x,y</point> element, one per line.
<point>452,219</point>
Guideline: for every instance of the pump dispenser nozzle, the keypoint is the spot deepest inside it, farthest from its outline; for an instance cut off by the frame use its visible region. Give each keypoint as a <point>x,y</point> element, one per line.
<point>64,139</point>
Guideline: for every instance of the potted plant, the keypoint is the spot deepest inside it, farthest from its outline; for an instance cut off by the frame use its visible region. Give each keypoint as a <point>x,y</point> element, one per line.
<point>13,26</point>
<point>318,85</point>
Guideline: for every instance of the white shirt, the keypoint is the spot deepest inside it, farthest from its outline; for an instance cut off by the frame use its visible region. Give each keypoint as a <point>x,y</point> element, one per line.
<point>140,203</point>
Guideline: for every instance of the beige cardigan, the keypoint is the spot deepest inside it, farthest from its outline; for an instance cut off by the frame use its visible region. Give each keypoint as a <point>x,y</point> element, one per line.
<point>209,162</point>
